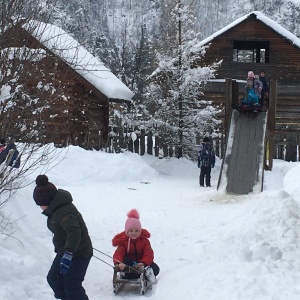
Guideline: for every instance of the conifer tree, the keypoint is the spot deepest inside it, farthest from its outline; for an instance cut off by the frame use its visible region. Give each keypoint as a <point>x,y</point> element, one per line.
<point>175,108</point>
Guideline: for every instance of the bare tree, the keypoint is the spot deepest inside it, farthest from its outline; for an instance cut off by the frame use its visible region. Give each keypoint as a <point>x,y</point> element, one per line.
<point>31,82</point>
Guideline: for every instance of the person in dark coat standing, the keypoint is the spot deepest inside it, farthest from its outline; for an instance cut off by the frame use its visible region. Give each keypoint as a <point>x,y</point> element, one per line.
<point>11,155</point>
<point>71,240</point>
<point>9,158</point>
<point>206,161</point>
<point>265,90</point>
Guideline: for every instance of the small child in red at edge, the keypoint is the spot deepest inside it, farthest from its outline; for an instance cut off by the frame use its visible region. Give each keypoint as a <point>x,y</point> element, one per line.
<point>134,248</point>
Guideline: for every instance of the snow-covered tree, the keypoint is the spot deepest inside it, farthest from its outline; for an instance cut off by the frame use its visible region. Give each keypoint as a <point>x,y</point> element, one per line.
<point>142,65</point>
<point>291,12</point>
<point>177,115</point>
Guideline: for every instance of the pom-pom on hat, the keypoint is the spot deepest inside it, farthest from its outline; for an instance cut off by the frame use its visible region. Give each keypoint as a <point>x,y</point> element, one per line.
<point>133,220</point>
<point>250,74</point>
<point>44,191</point>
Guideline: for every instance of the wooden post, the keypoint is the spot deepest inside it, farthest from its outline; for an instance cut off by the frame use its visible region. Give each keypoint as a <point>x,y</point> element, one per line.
<point>298,139</point>
<point>235,94</point>
<point>142,139</point>
<point>165,150</point>
<point>157,143</point>
<point>130,145</point>
<point>272,119</point>
<point>121,138</point>
<point>171,151</point>
<point>130,141</point>
<point>279,146</point>
<point>223,144</point>
<point>228,105</point>
<point>217,147</point>
<point>136,143</point>
<point>109,142</point>
<point>291,147</point>
<point>150,143</point>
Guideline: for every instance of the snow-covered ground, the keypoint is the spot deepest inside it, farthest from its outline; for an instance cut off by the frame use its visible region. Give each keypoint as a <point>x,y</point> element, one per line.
<point>209,245</point>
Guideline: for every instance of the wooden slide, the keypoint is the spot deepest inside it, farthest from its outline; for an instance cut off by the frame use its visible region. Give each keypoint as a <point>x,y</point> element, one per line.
<point>243,166</point>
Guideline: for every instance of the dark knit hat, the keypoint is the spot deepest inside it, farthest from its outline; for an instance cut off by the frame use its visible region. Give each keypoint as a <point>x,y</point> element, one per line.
<point>206,139</point>
<point>44,191</point>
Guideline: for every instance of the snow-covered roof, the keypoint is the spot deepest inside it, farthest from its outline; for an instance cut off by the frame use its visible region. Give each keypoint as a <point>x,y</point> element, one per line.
<point>79,59</point>
<point>264,19</point>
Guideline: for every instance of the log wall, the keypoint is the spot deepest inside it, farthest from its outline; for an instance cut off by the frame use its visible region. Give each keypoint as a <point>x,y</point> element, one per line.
<point>54,104</point>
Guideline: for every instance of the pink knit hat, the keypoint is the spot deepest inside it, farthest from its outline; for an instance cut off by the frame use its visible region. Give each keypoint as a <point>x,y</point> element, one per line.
<point>133,220</point>
<point>250,74</point>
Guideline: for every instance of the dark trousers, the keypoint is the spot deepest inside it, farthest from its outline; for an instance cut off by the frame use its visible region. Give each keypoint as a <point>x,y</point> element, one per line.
<point>265,97</point>
<point>205,172</point>
<point>262,99</point>
<point>69,286</point>
<point>155,268</point>
<point>130,262</point>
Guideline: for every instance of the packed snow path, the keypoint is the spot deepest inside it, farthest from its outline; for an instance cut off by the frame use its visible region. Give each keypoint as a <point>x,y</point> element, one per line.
<point>209,245</point>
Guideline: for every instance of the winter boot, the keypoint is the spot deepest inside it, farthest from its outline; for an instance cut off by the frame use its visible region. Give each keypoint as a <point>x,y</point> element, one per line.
<point>149,274</point>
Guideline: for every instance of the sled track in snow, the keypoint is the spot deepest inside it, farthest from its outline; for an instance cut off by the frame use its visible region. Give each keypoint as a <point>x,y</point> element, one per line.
<point>242,167</point>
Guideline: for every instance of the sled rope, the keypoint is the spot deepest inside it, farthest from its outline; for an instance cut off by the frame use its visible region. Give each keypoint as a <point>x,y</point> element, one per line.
<point>103,261</point>
<point>112,258</point>
<point>104,253</point>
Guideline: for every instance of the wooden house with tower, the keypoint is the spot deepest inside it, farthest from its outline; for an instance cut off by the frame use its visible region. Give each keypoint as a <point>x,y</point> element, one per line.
<point>255,42</point>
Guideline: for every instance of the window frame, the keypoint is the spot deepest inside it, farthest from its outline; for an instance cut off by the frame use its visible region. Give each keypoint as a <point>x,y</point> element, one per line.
<point>259,51</point>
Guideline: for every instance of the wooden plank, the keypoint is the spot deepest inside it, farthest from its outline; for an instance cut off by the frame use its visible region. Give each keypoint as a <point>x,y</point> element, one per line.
<point>287,120</point>
<point>283,131</point>
<point>228,105</point>
<point>286,111</point>
<point>272,106</point>
<point>285,128</point>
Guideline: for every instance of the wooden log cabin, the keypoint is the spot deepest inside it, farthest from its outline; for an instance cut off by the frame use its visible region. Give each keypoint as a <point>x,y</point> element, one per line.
<point>255,42</point>
<point>54,90</point>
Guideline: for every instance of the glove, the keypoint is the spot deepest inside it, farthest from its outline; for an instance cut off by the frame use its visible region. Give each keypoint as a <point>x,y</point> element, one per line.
<point>65,262</point>
<point>213,165</point>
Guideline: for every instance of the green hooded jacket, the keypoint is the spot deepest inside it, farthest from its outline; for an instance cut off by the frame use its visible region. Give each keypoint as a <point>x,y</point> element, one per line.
<point>67,225</point>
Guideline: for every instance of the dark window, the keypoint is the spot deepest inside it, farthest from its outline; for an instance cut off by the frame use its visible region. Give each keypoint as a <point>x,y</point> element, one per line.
<point>251,51</point>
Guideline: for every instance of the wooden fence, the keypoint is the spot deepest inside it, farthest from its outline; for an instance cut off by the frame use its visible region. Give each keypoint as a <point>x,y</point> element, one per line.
<point>285,147</point>
<point>142,141</point>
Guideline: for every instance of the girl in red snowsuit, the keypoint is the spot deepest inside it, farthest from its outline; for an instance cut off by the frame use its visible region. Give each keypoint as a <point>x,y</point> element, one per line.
<point>134,248</point>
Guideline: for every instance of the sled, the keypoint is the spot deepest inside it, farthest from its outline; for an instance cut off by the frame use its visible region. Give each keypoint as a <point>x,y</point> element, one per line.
<point>130,276</point>
<point>249,108</point>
